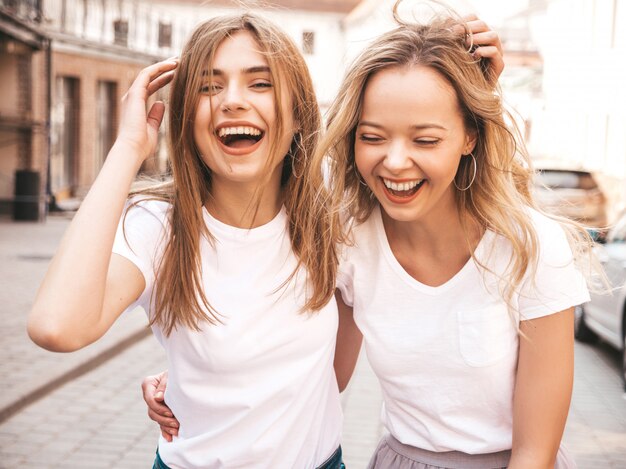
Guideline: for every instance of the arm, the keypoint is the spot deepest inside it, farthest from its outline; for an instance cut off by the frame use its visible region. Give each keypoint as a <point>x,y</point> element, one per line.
<point>543,389</point>
<point>153,388</point>
<point>86,287</point>
<point>349,340</point>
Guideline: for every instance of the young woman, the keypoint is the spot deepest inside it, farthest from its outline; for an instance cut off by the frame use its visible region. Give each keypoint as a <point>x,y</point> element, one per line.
<point>230,259</point>
<point>462,290</point>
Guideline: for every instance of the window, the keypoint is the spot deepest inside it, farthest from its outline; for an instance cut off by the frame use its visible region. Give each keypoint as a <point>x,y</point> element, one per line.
<point>165,35</point>
<point>65,132</point>
<point>106,115</point>
<point>308,42</point>
<point>121,32</point>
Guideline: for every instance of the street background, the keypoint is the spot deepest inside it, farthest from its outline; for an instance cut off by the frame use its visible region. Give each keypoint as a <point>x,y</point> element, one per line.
<point>90,413</point>
<point>64,65</point>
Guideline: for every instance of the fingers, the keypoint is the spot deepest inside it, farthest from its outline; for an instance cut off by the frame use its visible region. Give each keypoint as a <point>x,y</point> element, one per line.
<point>168,432</point>
<point>149,387</point>
<point>487,38</point>
<point>483,43</point>
<point>167,436</point>
<point>168,424</point>
<point>476,25</point>
<point>152,78</point>
<point>495,64</point>
<point>160,81</point>
<point>155,116</point>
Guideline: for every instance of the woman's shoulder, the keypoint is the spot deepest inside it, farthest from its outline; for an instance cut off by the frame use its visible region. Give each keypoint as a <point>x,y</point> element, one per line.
<point>545,225</point>
<point>148,205</point>
<point>147,211</point>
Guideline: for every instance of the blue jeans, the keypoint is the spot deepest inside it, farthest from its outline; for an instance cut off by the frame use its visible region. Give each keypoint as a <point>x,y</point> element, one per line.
<point>334,462</point>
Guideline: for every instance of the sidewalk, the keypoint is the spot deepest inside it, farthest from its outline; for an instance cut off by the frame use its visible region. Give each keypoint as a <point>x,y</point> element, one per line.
<point>27,371</point>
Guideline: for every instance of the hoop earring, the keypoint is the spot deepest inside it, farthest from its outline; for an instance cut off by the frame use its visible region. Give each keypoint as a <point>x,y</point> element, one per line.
<point>358,175</point>
<point>471,47</point>
<point>473,175</point>
<point>296,144</point>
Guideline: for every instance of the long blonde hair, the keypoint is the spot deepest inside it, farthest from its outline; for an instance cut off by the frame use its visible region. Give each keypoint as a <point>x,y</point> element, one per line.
<point>178,295</point>
<point>499,196</point>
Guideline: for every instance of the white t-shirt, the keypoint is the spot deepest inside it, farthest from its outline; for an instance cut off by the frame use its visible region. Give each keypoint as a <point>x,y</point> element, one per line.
<point>259,390</point>
<point>446,356</point>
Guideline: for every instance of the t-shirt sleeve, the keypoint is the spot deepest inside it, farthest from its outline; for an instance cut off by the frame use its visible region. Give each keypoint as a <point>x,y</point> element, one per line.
<point>139,238</point>
<point>557,284</point>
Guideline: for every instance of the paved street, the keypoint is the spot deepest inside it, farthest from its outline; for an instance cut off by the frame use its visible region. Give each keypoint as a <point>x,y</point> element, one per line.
<point>98,419</point>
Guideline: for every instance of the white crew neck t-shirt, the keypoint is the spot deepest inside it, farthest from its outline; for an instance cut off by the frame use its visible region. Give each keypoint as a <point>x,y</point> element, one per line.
<point>446,356</point>
<point>259,390</point>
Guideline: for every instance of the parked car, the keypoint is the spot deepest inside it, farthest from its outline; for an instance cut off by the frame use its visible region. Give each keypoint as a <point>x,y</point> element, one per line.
<point>605,315</point>
<point>572,194</point>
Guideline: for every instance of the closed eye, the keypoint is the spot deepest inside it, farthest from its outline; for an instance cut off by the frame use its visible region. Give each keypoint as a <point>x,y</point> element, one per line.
<point>368,138</point>
<point>427,141</point>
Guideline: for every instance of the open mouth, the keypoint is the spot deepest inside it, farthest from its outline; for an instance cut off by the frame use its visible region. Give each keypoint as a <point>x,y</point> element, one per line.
<point>240,137</point>
<point>403,189</point>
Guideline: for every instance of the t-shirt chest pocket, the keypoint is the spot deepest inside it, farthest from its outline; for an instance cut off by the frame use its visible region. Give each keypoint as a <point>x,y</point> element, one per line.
<point>486,335</point>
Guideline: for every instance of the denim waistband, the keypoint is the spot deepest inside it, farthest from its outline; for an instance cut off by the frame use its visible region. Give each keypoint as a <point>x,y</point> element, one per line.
<point>158,462</point>
<point>334,462</point>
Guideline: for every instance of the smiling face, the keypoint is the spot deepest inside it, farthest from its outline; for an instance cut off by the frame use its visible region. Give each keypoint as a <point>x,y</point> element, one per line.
<point>409,142</point>
<point>235,120</point>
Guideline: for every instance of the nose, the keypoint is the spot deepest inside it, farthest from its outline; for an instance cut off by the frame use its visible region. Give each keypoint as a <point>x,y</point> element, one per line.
<point>233,99</point>
<point>398,157</point>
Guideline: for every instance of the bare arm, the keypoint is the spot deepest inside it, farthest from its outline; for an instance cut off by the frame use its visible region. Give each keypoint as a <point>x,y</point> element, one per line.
<point>349,340</point>
<point>543,389</point>
<point>86,287</point>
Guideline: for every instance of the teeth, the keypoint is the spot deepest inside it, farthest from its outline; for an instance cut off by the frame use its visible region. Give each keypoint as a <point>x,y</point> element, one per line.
<point>238,131</point>
<point>401,186</point>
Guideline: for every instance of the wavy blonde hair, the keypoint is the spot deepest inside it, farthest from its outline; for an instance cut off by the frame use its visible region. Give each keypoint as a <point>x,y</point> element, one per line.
<point>178,295</point>
<point>500,194</point>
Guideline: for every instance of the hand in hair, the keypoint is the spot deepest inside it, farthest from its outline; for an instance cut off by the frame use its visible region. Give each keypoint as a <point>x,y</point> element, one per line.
<point>139,128</point>
<point>485,44</point>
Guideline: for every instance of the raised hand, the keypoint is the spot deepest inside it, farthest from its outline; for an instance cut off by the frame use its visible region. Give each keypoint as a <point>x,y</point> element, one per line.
<point>485,44</point>
<point>139,127</point>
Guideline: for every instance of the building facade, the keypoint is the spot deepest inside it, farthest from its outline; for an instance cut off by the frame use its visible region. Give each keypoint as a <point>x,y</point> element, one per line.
<point>65,71</point>
<point>24,102</point>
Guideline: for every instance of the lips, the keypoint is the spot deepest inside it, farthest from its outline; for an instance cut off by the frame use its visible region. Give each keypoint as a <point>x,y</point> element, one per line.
<point>401,191</point>
<point>239,138</point>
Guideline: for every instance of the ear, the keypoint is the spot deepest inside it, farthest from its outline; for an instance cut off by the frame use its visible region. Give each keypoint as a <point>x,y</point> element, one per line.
<point>471,136</point>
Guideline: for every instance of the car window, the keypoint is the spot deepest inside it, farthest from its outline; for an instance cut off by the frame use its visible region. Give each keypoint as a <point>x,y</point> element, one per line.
<point>566,180</point>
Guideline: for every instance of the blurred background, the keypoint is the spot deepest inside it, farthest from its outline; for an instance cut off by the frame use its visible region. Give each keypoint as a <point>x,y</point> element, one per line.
<point>64,66</point>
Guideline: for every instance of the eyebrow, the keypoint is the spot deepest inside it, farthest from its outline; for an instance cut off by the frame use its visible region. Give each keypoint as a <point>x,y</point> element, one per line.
<point>415,127</point>
<point>246,71</point>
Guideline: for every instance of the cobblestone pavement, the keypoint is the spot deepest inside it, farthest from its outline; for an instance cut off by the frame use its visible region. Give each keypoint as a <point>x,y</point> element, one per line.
<point>26,370</point>
<point>98,419</point>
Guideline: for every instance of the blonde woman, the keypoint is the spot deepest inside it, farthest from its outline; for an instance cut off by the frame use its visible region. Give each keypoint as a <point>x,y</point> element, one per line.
<point>462,290</point>
<point>230,259</point>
